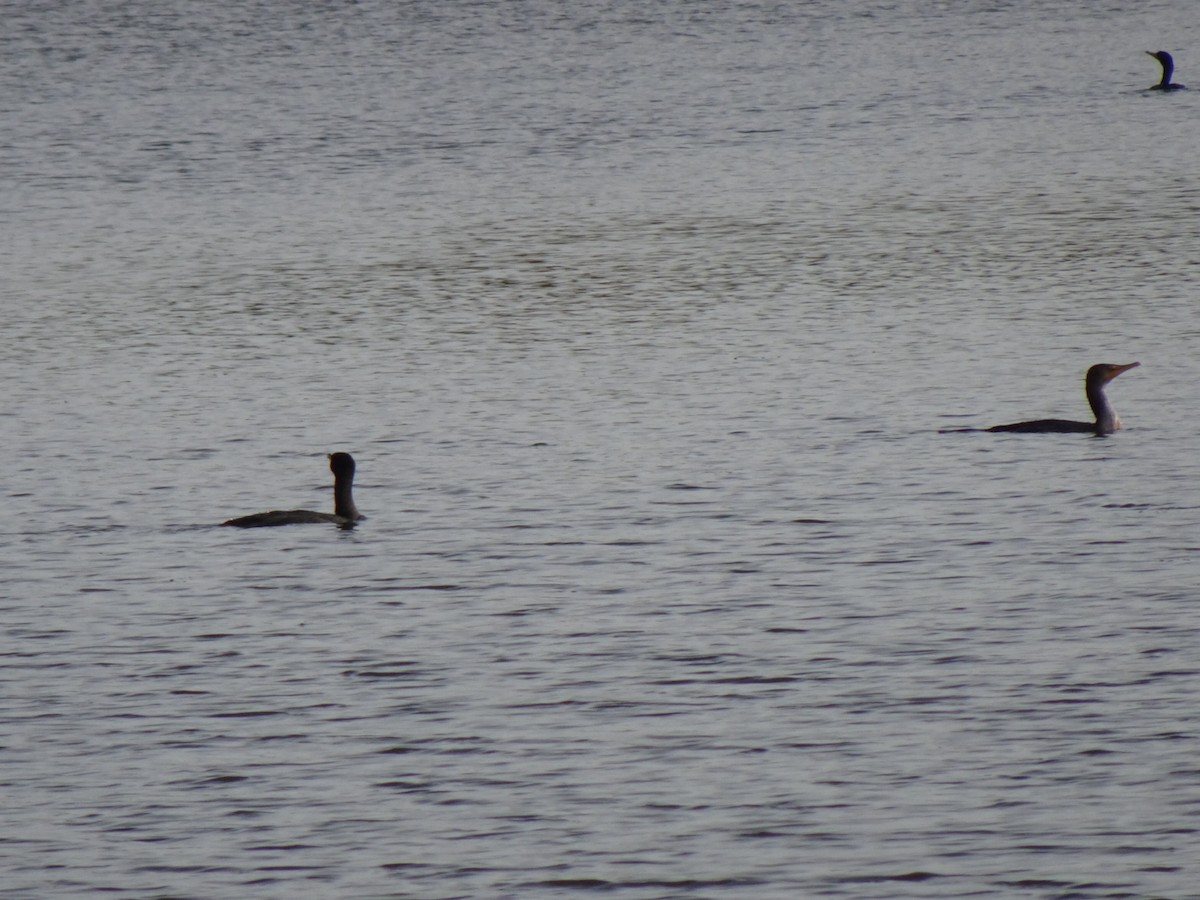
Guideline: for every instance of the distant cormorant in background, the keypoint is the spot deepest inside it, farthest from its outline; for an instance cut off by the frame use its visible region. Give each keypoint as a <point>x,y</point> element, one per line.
<point>1168,67</point>
<point>1106,422</point>
<point>344,514</point>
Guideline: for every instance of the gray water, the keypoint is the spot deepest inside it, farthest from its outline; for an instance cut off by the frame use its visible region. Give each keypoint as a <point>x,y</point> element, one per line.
<point>641,321</point>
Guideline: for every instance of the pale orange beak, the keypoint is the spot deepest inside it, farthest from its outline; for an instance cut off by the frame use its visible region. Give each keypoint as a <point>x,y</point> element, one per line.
<point>1117,370</point>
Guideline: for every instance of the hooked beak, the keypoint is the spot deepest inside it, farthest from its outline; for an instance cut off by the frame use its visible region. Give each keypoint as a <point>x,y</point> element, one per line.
<point>1117,370</point>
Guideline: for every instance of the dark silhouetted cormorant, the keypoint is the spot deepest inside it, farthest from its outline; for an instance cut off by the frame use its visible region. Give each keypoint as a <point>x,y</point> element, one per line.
<point>1106,417</point>
<point>344,514</point>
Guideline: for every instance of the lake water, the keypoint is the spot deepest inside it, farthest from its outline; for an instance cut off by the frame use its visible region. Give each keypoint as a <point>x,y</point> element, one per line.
<point>641,321</point>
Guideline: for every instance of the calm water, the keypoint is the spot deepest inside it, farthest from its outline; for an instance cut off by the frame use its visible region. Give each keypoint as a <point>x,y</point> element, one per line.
<point>641,321</point>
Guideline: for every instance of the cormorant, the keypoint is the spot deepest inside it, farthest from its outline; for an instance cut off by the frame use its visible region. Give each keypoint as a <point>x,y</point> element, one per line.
<point>1168,67</point>
<point>344,514</point>
<point>1106,422</point>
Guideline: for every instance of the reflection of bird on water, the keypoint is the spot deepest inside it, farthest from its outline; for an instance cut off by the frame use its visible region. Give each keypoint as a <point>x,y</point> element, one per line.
<point>344,514</point>
<point>1168,67</point>
<point>1098,376</point>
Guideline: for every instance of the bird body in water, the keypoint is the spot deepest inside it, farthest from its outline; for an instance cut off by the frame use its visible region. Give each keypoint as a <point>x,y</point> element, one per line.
<point>1168,67</point>
<point>344,514</point>
<point>1098,376</point>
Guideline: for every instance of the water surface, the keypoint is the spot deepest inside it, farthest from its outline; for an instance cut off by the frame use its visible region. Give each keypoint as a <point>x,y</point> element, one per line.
<point>641,324</point>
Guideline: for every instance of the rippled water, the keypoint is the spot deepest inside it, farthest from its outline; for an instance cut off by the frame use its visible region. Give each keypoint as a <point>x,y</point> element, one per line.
<point>641,322</point>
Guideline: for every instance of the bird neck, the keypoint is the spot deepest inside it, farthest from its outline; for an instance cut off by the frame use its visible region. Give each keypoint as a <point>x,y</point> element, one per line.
<point>1168,71</point>
<point>1106,417</point>
<point>343,500</point>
